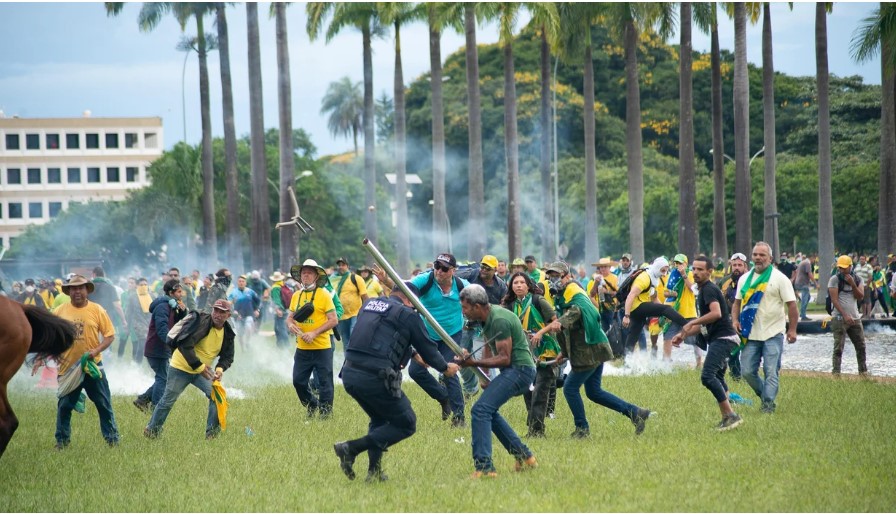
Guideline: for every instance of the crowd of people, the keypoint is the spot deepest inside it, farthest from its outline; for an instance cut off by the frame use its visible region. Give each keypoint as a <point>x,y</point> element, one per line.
<point>512,330</point>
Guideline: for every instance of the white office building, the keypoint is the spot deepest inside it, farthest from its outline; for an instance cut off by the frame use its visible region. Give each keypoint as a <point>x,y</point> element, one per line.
<point>47,164</point>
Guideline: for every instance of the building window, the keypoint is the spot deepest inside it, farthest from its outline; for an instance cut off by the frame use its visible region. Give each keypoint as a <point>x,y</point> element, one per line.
<point>112,175</point>
<point>93,175</point>
<point>74,175</point>
<point>35,210</point>
<point>34,175</point>
<point>12,141</point>
<point>52,141</point>
<point>15,210</point>
<point>111,140</point>
<point>54,176</point>
<point>32,141</point>
<point>131,174</point>
<point>55,207</point>
<point>73,141</point>
<point>130,140</point>
<point>93,141</point>
<point>151,140</point>
<point>13,176</point>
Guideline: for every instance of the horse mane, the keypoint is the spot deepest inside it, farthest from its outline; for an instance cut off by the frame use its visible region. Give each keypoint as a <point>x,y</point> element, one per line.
<point>50,335</point>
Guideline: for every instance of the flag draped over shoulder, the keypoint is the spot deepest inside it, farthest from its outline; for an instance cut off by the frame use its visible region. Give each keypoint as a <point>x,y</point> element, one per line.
<point>219,396</point>
<point>531,319</point>
<point>573,294</point>
<point>751,294</point>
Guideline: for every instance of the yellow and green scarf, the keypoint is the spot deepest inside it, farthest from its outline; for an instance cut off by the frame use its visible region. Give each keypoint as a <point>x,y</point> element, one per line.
<point>532,321</point>
<point>573,294</point>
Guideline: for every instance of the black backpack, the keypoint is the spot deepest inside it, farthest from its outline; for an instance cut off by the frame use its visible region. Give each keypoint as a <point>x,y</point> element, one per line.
<point>432,280</point>
<point>626,287</point>
<point>182,330</point>
<point>841,283</point>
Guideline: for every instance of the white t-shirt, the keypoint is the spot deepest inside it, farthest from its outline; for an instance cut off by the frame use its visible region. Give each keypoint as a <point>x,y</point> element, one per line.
<point>771,316</point>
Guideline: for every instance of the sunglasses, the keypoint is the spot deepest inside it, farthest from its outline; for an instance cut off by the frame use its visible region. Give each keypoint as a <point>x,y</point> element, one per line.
<point>442,267</point>
<point>486,267</point>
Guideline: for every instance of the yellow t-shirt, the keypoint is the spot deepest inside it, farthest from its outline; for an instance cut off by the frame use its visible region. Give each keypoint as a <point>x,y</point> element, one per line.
<point>642,282</point>
<point>547,291</point>
<point>688,305</point>
<point>350,296</point>
<point>323,304</point>
<point>90,321</point>
<point>374,288</point>
<point>207,349</point>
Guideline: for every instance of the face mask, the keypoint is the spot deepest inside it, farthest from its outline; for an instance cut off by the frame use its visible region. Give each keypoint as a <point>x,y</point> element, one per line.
<point>29,289</point>
<point>224,280</point>
<point>556,285</point>
<point>142,289</point>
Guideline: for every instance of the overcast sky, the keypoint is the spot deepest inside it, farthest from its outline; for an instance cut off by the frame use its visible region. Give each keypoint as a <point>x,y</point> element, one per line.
<point>62,59</point>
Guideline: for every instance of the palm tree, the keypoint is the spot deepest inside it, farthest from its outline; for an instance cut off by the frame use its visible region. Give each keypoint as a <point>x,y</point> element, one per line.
<point>261,255</point>
<point>344,101</point>
<point>289,235</point>
<point>742,205</point>
<point>770,225</point>
<point>365,17</point>
<point>396,14</point>
<point>687,192</point>
<point>234,244</point>
<point>150,15</point>
<point>825,202</point>
<point>878,34</point>
<point>706,17</point>
<point>477,238</point>
<point>574,42</point>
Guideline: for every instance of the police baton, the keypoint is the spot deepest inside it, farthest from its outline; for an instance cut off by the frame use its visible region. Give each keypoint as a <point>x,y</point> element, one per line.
<point>399,282</point>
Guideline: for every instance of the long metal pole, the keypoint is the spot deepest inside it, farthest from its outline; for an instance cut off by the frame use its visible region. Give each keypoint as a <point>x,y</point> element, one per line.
<point>378,257</point>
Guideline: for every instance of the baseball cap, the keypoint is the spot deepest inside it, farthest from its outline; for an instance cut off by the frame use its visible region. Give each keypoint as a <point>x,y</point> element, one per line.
<point>844,261</point>
<point>627,256</point>
<point>222,305</point>
<point>342,260</point>
<point>530,258</point>
<point>489,260</point>
<point>448,260</point>
<point>558,267</point>
<point>739,256</point>
<point>682,258</point>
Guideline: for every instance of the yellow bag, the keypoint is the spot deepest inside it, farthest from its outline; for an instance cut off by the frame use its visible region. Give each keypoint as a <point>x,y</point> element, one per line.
<point>219,396</point>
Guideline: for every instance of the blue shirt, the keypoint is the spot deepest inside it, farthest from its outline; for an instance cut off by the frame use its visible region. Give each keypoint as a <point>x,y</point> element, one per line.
<point>445,308</point>
<point>245,302</point>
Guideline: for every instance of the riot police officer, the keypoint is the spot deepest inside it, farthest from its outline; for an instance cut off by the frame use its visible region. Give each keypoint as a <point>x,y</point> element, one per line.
<point>379,347</point>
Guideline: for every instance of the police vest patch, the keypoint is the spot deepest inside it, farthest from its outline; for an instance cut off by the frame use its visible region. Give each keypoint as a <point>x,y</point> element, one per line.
<point>377,306</point>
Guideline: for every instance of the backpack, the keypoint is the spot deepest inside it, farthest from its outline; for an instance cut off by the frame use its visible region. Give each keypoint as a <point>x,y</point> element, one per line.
<point>626,287</point>
<point>286,295</point>
<point>182,330</point>
<point>828,303</point>
<point>432,280</point>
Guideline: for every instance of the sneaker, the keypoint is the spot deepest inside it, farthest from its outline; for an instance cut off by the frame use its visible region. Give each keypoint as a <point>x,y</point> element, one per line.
<point>640,420</point>
<point>376,476</point>
<point>446,409</point>
<point>535,434</point>
<point>151,434</point>
<point>484,474</point>
<point>61,445</point>
<point>458,422</point>
<point>346,459</point>
<point>580,433</point>
<point>213,433</point>
<point>143,405</point>
<point>113,443</point>
<point>312,409</point>
<point>729,422</point>
<point>736,398</point>
<point>768,408</point>
<point>525,464</point>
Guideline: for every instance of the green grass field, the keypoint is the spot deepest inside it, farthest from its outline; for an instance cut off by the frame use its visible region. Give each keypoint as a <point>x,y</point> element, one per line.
<point>830,447</point>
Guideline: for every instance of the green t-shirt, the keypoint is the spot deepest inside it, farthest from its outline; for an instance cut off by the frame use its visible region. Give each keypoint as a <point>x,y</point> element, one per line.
<point>501,324</point>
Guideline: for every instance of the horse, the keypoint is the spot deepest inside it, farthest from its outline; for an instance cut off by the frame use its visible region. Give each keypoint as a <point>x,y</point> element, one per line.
<point>26,329</point>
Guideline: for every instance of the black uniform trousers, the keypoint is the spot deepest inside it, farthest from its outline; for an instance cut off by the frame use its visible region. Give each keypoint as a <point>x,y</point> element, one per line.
<point>391,419</point>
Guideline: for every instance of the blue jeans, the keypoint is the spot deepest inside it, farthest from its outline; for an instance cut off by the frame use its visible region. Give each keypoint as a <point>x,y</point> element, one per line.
<point>804,299</point>
<point>451,390</point>
<point>769,352</point>
<point>98,392</point>
<point>512,381</point>
<point>178,381</point>
<point>321,362</point>
<point>469,377</point>
<point>591,380</point>
<point>345,330</point>
<point>157,389</point>
<point>281,332</point>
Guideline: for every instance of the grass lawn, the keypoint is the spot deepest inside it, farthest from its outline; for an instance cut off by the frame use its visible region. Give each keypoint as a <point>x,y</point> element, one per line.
<point>830,447</point>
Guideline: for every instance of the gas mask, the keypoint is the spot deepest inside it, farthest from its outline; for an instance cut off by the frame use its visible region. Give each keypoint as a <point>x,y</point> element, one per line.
<point>555,285</point>
<point>225,281</point>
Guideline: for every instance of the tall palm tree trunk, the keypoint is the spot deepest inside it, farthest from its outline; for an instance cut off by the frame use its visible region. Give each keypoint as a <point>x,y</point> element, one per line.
<point>439,210</point>
<point>401,199</point>
<point>825,203</point>
<point>770,225</point>
<point>591,243</point>
<point>209,230</point>
<point>743,238</point>
<point>261,255</point>
<point>477,238</point>
<point>511,155</point>
<point>289,235</point>
<point>633,145</point>
<point>234,245</point>
<point>370,214</point>
<point>548,245</point>
<point>719,226</point>
<point>687,193</point>
<point>886,228</point>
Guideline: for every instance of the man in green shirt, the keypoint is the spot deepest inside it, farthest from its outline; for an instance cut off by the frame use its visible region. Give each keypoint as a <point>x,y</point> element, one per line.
<point>506,348</point>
